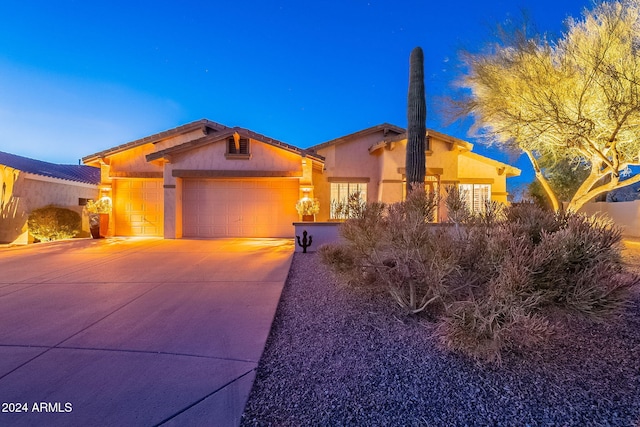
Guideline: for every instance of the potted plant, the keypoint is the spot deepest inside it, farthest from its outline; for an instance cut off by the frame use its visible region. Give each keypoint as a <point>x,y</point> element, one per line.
<point>98,216</point>
<point>308,208</point>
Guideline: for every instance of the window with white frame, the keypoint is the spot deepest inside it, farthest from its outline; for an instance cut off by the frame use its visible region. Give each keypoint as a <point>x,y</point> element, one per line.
<point>343,197</point>
<point>476,195</point>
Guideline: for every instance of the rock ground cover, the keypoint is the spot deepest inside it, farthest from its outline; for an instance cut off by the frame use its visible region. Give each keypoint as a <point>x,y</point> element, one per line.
<point>343,356</point>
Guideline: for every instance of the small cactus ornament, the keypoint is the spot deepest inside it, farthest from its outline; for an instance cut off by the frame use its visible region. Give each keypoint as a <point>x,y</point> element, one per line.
<point>306,241</point>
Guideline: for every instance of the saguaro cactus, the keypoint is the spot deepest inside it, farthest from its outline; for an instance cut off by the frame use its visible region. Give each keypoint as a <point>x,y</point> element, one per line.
<point>416,121</point>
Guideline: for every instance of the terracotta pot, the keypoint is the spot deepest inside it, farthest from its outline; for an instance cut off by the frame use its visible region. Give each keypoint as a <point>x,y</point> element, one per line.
<point>104,224</point>
<point>310,218</point>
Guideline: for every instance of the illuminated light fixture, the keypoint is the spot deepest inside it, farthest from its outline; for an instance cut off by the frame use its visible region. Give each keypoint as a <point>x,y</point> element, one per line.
<point>104,191</point>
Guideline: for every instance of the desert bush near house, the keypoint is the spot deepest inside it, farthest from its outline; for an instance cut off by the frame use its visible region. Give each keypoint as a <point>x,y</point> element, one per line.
<point>54,223</point>
<point>494,282</point>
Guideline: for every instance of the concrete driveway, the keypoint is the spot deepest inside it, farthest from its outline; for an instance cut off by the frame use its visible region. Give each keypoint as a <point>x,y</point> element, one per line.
<point>135,332</point>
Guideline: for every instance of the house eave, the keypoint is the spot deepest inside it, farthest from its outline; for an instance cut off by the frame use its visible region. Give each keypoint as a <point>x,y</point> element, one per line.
<point>205,125</point>
<point>452,141</point>
<point>213,138</point>
<point>386,128</point>
<point>503,168</point>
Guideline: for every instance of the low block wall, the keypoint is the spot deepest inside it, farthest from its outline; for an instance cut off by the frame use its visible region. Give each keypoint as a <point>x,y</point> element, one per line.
<point>625,214</point>
<point>320,232</point>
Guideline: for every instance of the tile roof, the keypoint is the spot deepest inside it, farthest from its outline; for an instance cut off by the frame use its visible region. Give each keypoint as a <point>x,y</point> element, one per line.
<point>430,132</point>
<point>386,128</point>
<point>77,173</point>
<point>226,134</point>
<point>205,124</point>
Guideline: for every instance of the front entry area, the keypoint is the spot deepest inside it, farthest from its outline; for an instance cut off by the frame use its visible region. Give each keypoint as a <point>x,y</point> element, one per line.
<point>257,207</point>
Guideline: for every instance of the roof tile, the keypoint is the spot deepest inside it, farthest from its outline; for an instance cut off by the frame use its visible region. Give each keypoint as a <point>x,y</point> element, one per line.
<point>77,173</point>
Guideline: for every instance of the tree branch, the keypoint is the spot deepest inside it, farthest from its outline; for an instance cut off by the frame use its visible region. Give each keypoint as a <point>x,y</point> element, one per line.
<point>576,204</point>
<point>543,181</point>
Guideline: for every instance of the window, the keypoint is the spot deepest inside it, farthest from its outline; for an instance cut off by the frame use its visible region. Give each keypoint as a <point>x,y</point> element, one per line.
<point>476,195</point>
<point>344,197</point>
<point>238,148</point>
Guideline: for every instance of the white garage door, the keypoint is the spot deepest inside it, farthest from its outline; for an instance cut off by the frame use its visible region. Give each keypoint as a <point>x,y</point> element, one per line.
<point>239,207</point>
<point>138,206</point>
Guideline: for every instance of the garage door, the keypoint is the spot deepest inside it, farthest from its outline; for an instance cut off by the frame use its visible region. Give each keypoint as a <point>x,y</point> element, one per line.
<point>239,208</point>
<point>138,206</point>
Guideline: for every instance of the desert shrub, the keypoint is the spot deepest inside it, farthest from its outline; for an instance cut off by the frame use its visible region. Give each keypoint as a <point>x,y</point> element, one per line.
<point>397,246</point>
<point>364,229</point>
<point>420,203</point>
<point>492,215</point>
<point>343,263</point>
<point>352,207</point>
<point>579,267</point>
<point>531,220</point>
<point>494,283</point>
<point>484,329</point>
<point>54,223</point>
<point>458,210</point>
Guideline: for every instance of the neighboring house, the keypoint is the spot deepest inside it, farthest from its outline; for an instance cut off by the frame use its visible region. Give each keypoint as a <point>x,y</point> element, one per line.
<point>29,184</point>
<point>624,194</point>
<point>204,179</point>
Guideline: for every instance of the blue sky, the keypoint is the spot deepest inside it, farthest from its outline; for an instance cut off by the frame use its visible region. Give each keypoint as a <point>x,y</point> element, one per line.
<point>78,77</point>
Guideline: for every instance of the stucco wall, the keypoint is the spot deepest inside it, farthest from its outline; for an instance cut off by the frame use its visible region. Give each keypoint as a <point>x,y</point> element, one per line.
<point>440,156</point>
<point>264,157</point>
<point>133,160</point>
<point>13,211</point>
<point>625,214</point>
<point>475,170</point>
<point>351,159</point>
<point>322,191</point>
<point>25,192</point>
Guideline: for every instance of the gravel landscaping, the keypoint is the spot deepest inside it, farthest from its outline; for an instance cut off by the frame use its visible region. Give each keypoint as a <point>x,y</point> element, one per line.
<point>342,356</point>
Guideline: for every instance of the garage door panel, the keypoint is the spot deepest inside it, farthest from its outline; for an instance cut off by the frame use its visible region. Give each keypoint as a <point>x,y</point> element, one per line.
<point>239,208</point>
<point>138,207</point>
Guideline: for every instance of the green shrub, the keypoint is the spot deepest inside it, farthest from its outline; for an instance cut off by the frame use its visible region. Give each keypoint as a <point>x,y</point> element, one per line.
<point>54,223</point>
<point>493,282</point>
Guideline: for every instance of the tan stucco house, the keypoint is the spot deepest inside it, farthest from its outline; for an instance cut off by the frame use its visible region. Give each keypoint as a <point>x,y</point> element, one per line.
<point>205,179</point>
<point>27,184</point>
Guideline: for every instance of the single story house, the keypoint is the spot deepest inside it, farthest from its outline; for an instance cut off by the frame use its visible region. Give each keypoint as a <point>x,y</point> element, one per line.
<point>29,184</point>
<point>204,179</point>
